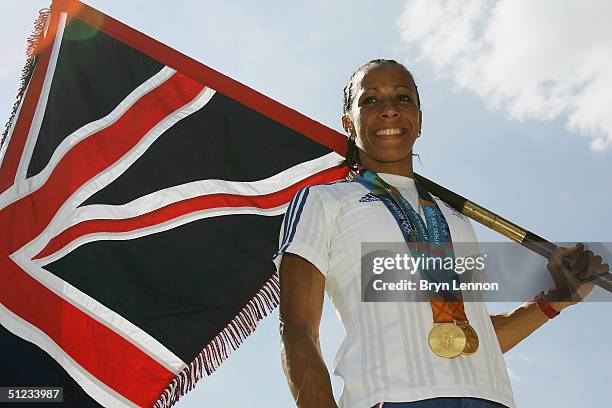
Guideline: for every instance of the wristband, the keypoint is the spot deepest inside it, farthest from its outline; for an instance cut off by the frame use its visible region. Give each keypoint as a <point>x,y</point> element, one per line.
<point>545,306</point>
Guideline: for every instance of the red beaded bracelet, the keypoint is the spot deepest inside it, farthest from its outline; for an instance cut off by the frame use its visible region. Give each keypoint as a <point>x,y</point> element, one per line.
<point>545,306</point>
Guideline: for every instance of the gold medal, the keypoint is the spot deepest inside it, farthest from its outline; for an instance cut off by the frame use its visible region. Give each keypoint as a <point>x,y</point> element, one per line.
<point>471,337</point>
<point>447,340</point>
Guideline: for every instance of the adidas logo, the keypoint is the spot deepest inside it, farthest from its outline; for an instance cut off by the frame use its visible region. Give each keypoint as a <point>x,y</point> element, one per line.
<point>368,197</point>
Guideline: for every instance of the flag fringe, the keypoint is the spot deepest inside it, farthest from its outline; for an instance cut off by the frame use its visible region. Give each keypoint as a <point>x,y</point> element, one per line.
<point>26,73</point>
<point>221,346</point>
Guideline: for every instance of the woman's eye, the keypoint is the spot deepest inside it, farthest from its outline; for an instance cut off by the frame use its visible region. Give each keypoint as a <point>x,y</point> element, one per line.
<point>369,99</point>
<point>404,98</point>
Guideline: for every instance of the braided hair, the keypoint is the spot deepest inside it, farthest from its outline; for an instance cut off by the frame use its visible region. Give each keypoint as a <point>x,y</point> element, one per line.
<point>352,152</point>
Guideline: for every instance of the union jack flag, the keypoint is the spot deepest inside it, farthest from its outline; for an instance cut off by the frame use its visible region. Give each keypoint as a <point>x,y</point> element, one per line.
<point>141,196</point>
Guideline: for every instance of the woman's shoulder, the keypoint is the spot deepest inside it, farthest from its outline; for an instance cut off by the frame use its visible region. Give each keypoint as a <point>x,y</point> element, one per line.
<point>332,197</point>
<point>336,191</point>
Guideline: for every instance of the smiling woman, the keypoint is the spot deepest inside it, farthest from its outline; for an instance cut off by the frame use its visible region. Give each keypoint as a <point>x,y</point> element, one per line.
<point>384,98</point>
<point>440,353</point>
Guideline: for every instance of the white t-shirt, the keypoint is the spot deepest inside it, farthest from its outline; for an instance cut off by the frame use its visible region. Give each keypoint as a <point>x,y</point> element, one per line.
<point>385,355</point>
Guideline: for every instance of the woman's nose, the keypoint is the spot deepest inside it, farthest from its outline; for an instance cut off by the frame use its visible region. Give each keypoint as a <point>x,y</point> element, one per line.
<point>389,109</point>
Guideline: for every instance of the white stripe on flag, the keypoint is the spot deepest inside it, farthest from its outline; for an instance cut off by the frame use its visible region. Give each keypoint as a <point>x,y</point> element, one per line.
<point>65,214</point>
<point>25,187</point>
<point>41,106</point>
<point>154,229</point>
<point>162,198</point>
<point>175,194</point>
<point>100,313</point>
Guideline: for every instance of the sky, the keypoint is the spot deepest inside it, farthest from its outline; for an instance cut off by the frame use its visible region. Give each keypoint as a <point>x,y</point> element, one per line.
<point>516,99</point>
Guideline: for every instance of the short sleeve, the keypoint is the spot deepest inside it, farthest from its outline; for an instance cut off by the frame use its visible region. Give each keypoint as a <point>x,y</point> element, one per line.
<point>304,230</point>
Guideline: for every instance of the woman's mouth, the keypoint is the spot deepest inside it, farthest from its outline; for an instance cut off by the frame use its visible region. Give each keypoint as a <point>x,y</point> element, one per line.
<point>390,131</point>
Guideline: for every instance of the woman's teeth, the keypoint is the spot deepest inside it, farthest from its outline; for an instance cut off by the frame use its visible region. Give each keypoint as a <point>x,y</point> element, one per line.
<point>389,132</point>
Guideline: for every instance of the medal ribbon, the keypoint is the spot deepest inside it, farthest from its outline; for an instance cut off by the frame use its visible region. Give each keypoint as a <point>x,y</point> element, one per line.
<point>431,238</point>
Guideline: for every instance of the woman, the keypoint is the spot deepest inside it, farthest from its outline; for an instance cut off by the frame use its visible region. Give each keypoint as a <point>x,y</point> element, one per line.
<point>393,355</point>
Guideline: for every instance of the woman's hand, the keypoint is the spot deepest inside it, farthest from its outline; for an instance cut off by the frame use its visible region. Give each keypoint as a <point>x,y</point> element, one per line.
<point>571,268</point>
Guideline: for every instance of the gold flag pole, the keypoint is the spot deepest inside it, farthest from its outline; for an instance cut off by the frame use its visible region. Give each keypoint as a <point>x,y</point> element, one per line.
<point>497,223</point>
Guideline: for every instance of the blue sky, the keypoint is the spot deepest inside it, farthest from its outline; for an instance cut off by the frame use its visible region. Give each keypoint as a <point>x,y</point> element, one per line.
<point>517,118</point>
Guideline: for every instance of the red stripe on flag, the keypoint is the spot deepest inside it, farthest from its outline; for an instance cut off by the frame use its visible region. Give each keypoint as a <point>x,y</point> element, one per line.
<point>90,157</point>
<point>184,207</point>
<point>23,122</point>
<point>130,371</point>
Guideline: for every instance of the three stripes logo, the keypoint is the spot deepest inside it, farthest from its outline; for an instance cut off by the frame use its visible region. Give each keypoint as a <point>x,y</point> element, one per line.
<point>368,198</point>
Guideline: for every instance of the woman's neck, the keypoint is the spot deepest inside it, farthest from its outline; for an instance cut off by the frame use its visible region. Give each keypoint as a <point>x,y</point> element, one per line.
<point>400,168</point>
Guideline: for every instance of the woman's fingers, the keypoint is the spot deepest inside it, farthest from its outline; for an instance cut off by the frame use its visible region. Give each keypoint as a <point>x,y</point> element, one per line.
<point>603,268</point>
<point>582,265</point>
<point>559,272</point>
<point>571,269</point>
<point>565,258</point>
<point>594,264</point>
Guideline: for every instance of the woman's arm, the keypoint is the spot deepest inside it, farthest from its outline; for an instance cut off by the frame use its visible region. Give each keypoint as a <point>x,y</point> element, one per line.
<point>570,288</point>
<point>301,304</point>
<point>512,327</point>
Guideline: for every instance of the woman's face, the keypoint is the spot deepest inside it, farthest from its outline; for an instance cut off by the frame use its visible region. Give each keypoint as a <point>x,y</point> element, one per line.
<point>384,116</point>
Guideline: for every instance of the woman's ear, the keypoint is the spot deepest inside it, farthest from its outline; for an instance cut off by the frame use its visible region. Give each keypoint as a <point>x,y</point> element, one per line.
<point>347,125</point>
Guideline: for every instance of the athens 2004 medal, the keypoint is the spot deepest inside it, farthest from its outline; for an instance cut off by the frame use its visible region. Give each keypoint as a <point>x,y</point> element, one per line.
<point>447,340</point>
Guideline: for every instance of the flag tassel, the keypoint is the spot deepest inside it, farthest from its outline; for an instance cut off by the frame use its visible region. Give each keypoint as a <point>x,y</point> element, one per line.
<point>220,347</point>
<point>31,50</point>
